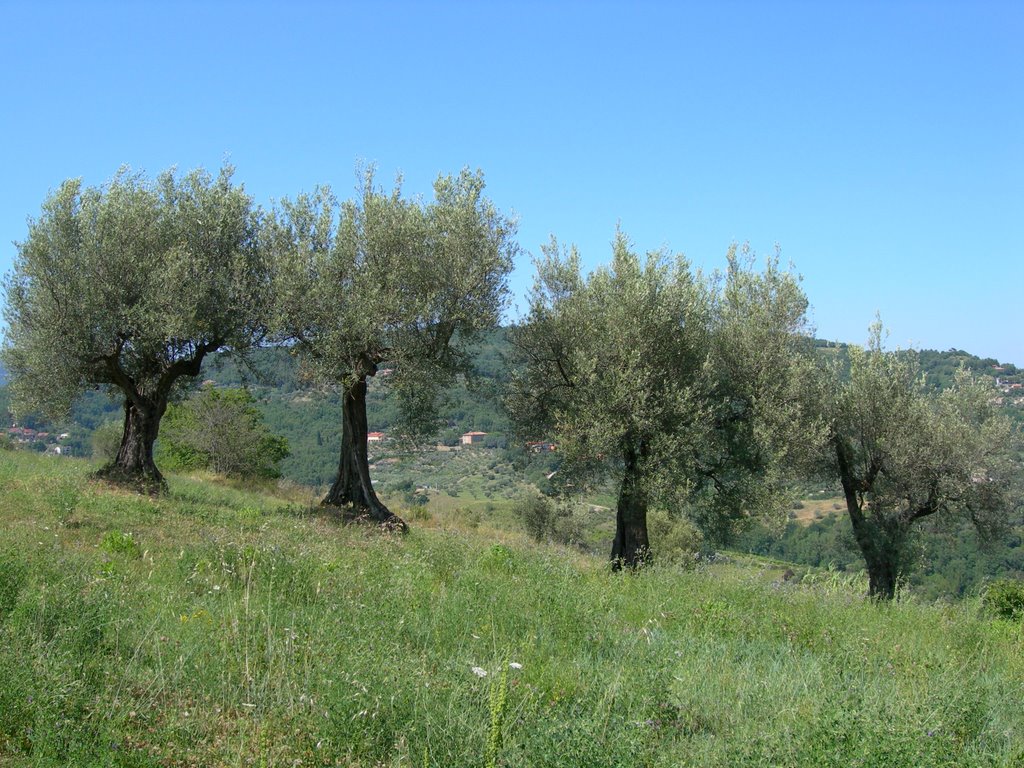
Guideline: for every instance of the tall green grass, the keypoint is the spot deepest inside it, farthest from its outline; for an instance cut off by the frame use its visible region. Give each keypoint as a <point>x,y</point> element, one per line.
<point>221,627</point>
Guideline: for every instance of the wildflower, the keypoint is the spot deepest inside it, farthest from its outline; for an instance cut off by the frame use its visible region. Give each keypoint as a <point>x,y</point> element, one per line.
<point>479,671</point>
<point>514,665</point>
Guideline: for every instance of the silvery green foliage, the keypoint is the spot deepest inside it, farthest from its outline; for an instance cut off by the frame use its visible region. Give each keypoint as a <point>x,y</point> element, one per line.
<point>702,376</point>
<point>386,281</point>
<point>905,452</point>
<point>766,428</point>
<point>125,284</point>
<point>614,357</point>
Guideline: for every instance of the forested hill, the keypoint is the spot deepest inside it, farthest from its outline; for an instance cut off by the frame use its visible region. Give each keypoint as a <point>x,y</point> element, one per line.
<point>939,367</point>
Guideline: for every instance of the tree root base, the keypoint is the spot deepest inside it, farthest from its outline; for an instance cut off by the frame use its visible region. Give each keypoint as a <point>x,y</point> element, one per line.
<point>353,515</point>
<point>144,483</point>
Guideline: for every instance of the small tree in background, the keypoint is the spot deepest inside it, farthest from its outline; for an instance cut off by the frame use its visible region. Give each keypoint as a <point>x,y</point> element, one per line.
<point>129,287</point>
<point>222,430</point>
<point>382,279</point>
<point>106,440</point>
<point>904,453</point>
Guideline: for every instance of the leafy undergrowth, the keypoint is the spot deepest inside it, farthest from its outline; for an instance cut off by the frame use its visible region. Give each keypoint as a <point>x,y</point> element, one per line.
<point>215,626</point>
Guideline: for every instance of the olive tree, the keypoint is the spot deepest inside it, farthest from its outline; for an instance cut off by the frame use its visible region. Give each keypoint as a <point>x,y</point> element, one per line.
<point>764,429</point>
<point>905,453</point>
<point>681,385</point>
<point>129,286</point>
<point>382,279</point>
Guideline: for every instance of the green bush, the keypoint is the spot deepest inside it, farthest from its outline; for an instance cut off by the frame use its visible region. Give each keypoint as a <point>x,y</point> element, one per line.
<point>222,430</point>
<point>546,520</point>
<point>106,440</point>
<point>673,539</point>
<point>1005,598</point>
<point>121,543</point>
<point>538,516</point>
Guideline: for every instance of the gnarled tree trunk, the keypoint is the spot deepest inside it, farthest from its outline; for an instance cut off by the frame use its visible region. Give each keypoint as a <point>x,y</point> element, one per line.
<point>134,465</point>
<point>353,486</point>
<point>880,538</point>
<point>882,542</point>
<point>144,406</point>
<point>630,548</point>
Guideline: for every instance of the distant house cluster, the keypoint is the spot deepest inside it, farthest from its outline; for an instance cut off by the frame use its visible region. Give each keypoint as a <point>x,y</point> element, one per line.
<point>1011,388</point>
<point>375,437</point>
<point>27,435</point>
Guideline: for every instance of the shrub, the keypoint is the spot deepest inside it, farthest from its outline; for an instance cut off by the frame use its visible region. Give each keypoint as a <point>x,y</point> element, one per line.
<point>106,440</point>
<point>673,539</point>
<point>222,430</point>
<point>547,520</point>
<point>1004,598</point>
<point>538,516</point>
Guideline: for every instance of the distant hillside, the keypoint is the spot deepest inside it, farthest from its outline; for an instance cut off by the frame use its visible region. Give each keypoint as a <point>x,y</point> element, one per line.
<point>310,416</point>
<point>940,367</point>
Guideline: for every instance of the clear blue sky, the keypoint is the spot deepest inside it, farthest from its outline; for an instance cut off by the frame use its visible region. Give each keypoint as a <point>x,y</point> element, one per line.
<point>879,144</point>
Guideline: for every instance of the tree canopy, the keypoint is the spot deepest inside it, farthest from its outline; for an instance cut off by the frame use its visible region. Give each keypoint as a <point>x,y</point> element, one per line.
<point>130,286</point>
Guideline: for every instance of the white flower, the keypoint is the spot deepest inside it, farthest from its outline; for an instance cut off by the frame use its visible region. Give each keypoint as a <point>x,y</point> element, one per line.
<point>479,671</point>
<point>514,665</point>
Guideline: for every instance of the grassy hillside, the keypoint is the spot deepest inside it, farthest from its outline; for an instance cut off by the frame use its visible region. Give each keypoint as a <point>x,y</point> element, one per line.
<point>218,626</point>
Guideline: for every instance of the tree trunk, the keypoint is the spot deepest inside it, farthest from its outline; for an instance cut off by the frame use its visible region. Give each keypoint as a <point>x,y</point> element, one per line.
<point>630,547</point>
<point>881,541</point>
<point>882,577</point>
<point>134,465</point>
<point>353,486</point>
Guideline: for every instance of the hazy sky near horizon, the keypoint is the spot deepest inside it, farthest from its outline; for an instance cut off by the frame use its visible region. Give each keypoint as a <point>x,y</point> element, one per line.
<point>879,145</point>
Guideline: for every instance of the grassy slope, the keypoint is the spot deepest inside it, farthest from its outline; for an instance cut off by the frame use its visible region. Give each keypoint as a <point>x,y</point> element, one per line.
<point>222,627</point>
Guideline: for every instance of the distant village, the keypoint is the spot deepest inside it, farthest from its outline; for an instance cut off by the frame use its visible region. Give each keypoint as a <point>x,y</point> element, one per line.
<point>1012,389</point>
<point>44,442</point>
